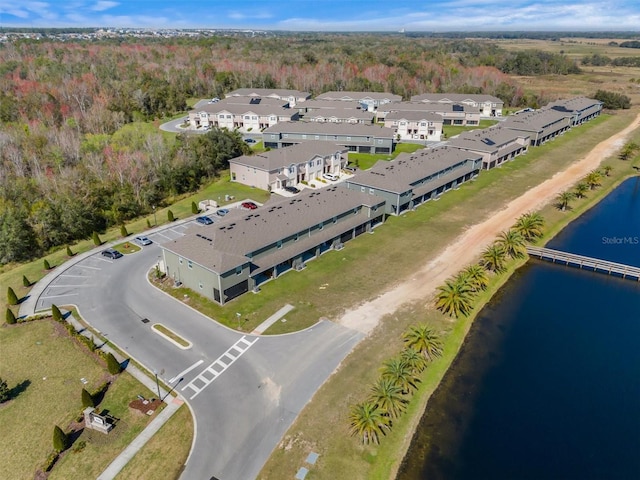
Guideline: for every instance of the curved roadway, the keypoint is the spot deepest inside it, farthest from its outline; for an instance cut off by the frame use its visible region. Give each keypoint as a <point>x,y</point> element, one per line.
<point>245,391</point>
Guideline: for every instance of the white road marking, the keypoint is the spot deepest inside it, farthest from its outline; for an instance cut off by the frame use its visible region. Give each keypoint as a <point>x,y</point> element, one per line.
<point>86,266</point>
<point>103,260</point>
<point>70,286</point>
<point>61,295</point>
<point>68,275</point>
<point>163,235</point>
<point>185,371</point>
<point>213,371</point>
<point>178,233</point>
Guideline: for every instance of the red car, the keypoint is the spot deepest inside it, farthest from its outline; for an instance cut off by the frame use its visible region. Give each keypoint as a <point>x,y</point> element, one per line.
<point>249,205</point>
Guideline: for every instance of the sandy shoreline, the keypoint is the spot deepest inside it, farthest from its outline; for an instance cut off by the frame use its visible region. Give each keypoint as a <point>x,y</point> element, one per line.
<point>468,246</point>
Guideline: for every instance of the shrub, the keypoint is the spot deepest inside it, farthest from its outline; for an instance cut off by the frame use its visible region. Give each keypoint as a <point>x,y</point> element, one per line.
<point>123,231</point>
<point>56,313</point>
<point>87,399</point>
<point>12,298</point>
<point>148,223</point>
<point>69,252</point>
<point>96,239</point>
<point>25,281</point>
<point>5,393</point>
<point>170,216</point>
<point>46,264</point>
<point>78,447</point>
<point>60,440</point>
<point>10,318</point>
<point>51,460</point>
<point>112,364</point>
<point>194,208</point>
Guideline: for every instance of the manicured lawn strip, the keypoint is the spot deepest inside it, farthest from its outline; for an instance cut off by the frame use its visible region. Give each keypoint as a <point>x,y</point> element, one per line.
<point>171,334</point>
<point>323,426</point>
<point>127,247</point>
<point>452,130</point>
<point>51,365</point>
<point>102,449</point>
<point>164,455</point>
<point>364,161</point>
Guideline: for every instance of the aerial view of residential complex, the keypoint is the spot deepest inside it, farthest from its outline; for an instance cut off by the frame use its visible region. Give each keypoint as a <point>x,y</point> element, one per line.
<point>321,240</point>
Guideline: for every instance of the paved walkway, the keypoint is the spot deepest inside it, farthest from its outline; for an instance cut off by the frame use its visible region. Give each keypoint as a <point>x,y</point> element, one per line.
<point>259,330</point>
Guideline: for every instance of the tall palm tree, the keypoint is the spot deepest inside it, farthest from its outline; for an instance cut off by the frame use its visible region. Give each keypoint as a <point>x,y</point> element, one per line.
<point>493,257</point>
<point>564,198</point>
<point>454,297</point>
<point>593,179</point>
<point>424,340</point>
<point>414,359</point>
<point>581,190</point>
<point>530,225</point>
<point>478,279</point>
<point>400,374</point>
<point>388,396</point>
<point>512,242</point>
<point>368,421</point>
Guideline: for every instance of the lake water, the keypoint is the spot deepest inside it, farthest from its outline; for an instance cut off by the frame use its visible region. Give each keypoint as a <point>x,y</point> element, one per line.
<point>547,384</point>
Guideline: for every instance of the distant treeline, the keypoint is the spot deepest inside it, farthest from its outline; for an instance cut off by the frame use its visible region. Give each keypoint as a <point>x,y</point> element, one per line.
<point>603,60</point>
<point>631,44</point>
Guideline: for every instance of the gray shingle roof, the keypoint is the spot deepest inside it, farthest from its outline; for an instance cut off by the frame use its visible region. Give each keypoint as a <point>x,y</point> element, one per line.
<point>535,121</point>
<point>328,128</point>
<point>456,97</point>
<point>576,104</point>
<point>427,107</point>
<point>315,104</point>
<point>397,175</point>
<point>359,96</point>
<point>282,157</point>
<point>223,246</point>
<point>486,139</point>
<point>341,113</point>
<point>242,109</point>
<point>414,115</point>
<point>265,92</point>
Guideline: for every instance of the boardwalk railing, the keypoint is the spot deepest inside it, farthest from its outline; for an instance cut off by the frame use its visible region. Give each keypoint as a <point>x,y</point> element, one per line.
<point>580,261</point>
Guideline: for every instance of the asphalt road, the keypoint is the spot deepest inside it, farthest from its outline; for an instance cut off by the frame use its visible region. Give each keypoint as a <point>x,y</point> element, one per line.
<point>244,390</point>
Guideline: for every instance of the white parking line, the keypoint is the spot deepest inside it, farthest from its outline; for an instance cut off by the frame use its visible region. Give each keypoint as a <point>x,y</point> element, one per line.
<point>61,295</point>
<point>68,275</point>
<point>178,233</point>
<point>162,235</point>
<point>86,266</point>
<point>103,260</point>
<point>74,286</point>
<point>186,370</point>
<point>213,371</point>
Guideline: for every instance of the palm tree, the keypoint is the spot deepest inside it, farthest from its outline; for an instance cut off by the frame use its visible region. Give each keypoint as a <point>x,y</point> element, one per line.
<point>493,257</point>
<point>424,340</point>
<point>628,151</point>
<point>530,225</point>
<point>388,396</point>
<point>563,199</point>
<point>368,421</point>
<point>414,359</point>
<point>400,374</point>
<point>581,190</point>
<point>477,277</point>
<point>454,297</point>
<point>593,179</point>
<point>606,170</point>
<point>512,242</point>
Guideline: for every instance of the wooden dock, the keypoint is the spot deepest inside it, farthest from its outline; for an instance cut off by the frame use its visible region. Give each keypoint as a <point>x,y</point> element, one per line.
<point>580,261</point>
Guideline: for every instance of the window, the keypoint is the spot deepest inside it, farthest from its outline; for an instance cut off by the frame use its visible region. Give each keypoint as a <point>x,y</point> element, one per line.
<point>304,136</point>
<point>279,244</point>
<point>239,270</point>
<point>317,137</point>
<point>362,189</point>
<point>318,162</point>
<point>335,219</point>
<point>349,138</point>
<point>189,264</point>
<point>180,260</point>
<point>320,226</point>
<point>285,135</point>
<point>379,140</point>
<point>371,191</point>
<point>200,285</point>
<point>254,118</point>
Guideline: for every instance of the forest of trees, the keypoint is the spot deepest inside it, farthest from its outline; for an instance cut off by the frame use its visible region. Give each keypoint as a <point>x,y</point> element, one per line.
<point>74,157</point>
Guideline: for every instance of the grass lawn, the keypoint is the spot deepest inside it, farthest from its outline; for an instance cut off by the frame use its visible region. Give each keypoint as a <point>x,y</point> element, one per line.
<point>171,334</point>
<point>164,455</point>
<point>364,161</point>
<point>127,247</point>
<point>419,236</point>
<point>451,131</point>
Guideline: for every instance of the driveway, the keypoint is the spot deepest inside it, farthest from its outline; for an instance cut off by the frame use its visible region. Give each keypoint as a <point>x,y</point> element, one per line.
<point>245,390</point>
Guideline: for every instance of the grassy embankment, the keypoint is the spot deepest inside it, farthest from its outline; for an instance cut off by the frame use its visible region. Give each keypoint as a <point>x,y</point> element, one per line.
<point>323,425</point>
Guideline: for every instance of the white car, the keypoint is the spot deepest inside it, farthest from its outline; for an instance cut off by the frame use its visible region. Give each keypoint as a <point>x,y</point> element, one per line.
<point>330,176</point>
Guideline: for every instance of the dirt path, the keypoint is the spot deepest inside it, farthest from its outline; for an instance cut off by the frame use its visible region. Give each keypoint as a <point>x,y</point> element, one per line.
<point>468,246</point>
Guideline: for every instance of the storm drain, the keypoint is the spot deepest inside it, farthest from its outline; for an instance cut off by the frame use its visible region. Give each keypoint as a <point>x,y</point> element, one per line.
<point>145,320</point>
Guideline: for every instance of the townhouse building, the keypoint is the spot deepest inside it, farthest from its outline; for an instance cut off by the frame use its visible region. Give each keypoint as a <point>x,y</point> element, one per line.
<point>412,179</point>
<point>340,115</point>
<point>355,137</point>
<point>231,257</point>
<point>246,115</point>
<point>275,169</point>
<point>488,105</point>
<point>496,144</point>
<point>542,125</point>
<point>582,109</point>
<point>292,97</point>
<point>415,125</point>
<point>451,113</point>
<point>368,100</point>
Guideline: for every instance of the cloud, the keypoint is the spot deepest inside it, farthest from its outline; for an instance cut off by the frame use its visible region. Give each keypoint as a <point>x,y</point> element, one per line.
<point>103,5</point>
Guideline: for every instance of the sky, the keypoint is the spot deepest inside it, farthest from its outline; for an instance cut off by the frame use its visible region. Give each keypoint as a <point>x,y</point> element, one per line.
<point>328,15</point>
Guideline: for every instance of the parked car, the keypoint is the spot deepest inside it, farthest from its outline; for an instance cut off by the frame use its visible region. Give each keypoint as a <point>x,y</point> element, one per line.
<point>250,140</point>
<point>111,253</point>
<point>330,176</point>
<point>142,241</point>
<point>222,212</point>
<point>204,220</point>
<point>291,189</point>
<point>249,205</point>
<point>214,100</point>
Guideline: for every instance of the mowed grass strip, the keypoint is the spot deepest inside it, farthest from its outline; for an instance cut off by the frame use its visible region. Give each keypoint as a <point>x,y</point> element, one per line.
<point>323,425</point>
<point>165,454</point>
<point>171,334</point>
